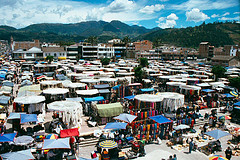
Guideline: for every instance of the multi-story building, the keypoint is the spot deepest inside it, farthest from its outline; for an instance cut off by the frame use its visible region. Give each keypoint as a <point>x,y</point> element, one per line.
<point>151,55</point>
<point>142,46</point>
<point>57,52</point>
<point>203,49</point>
<point>225,61</point>
<point>105,51</point>
<point>33,53</point>
<point>89,51</point>
<point>74,52</point>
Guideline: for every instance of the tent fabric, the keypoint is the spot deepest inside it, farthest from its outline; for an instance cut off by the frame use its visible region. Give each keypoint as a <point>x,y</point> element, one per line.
<point>55,91</point>
<point>101,86</point>
<point>115,125</point>
<point>207,90</point>
<point>161,119</point>
<point>8,137</point>
<point>237,104</point>
<point>126,117</point>
<point>29,99</point>
<point>87,92</point>
<point>116,87</point>
<point>21,155</point>
<point>4,99</point>
<point>15,115</point>
<point>217,134</point>
<point>69,132</point>
<point>99,98</point>
<point>61,143</point>
<point>77,99</point>
<point>24,118</point>
<point>148,98</point>
<point>227,95</point>
<point>147,89</point>
<point>104,91</point>
<point>181,126</point>
<point>23,140</point>
<point>109,110</point>
<point>130,97</point>
<point>7,83</point>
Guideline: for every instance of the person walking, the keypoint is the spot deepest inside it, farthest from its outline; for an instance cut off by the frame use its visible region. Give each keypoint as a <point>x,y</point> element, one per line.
<point>228,153</point>
<point>174,157</point>
<point>190,146</point>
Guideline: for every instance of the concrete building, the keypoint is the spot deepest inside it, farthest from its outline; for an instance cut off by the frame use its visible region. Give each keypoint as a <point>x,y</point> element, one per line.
<point>89,51</point>
<point>203,49</point>
<point>105,51</point>
<point>33,53</point>
<point>151,55</point>
<point>74,52</point>
<point>142,46</point>
<point>57,52</point>
<point>225,61</point>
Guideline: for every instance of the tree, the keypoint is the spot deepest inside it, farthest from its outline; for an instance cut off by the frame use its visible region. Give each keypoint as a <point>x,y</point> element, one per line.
<point>138,73</point>
<point>235,82</point>
<point>49,59</point>
<point>93,40</point>
<point>126,40</point>
<point>105,61</point>
<point>218,71</point>
<point>143,62</point>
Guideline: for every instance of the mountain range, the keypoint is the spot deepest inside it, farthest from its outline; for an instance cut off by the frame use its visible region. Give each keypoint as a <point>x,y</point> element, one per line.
<point>217,34</point>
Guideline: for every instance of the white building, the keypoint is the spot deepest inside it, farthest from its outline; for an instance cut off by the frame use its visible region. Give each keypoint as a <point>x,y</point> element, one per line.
<point>105,51</point>
<point>57,52</point>
<point>33,53</point>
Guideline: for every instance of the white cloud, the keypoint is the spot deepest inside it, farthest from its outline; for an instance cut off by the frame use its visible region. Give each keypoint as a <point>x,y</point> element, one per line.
<point>236,13</point>
<point>20,13</point>
<point>120,6</point>
<point>163,0</point>
<point>228,18</point>
<point>215,15</point>
<point>225,14</point>
<point>205,4</point>
<point>196,15</point>
<point>169,23</point>
<point>151,9</point>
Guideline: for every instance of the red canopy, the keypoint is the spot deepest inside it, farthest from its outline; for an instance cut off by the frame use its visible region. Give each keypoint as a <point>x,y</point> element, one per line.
<point>69,132</point>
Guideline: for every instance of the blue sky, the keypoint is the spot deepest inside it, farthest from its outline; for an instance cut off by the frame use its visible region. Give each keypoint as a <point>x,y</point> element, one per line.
<point>147,13</point>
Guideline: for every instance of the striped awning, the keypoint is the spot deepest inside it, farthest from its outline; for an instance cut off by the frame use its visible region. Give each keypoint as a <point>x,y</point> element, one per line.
<point>108,144</point>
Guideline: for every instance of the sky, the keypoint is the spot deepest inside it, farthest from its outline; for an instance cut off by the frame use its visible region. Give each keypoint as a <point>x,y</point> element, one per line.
<point>147,13</point>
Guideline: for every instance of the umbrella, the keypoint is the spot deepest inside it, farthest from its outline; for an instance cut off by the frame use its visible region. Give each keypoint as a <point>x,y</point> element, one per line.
<point>217,157</point>
<point>234,93</point>
<point>224,117</point>
<point>25,154</point>
<point>108,144</point>
<point>217,134</point>
<point>115,125</point>
<point>24,118</point>
<point>52,136</point>
<point>62,143</point>
<point>126,117</point>
<point>181,126</point>
<point>7,137</point>
<point>24,140</point>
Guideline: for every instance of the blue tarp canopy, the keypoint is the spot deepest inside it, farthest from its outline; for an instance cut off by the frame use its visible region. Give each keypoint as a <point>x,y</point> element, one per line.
<point>24,154</point>
<point>15,115</point>
<point>8,137</point>
<point>101,86</point>
<point>61,143</point>
<point>99,98</point>
<point>24,118</point>
<point>130,97</point>
<point>126,117</point>
<point>237,104</point>
<point>217,134</point>
<point>116,87</point>
<point>104,91</point>
<point>80,158</point>
<point>77,99</point>
<point>147,89</point>
<point>228,95</point>
<point>4,99</point>
<point>207,90</point>
<point>8,83</point>
<point>161,119</point>
<point>116,125</point>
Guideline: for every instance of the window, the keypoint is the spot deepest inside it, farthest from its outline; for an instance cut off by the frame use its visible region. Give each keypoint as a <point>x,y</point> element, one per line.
<point>60,54</point>
<point>55,54</point>
<point>29,54</point>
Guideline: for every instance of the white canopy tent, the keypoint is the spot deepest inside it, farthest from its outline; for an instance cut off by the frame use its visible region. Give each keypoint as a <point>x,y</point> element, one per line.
<point>70,111</point>
<point>148,98</point>
<point>87,92</point>
<point>55,91</point>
